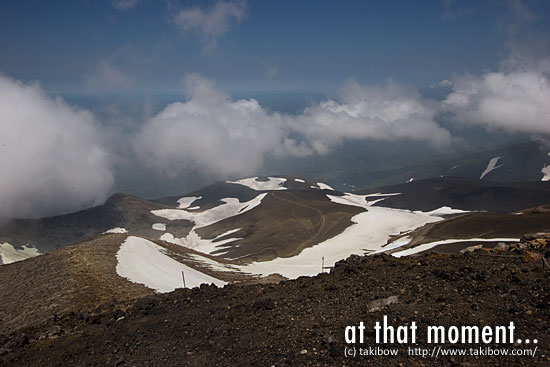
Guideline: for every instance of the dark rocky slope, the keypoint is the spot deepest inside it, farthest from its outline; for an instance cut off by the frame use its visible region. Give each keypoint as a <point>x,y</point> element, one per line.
<point>302,322</point>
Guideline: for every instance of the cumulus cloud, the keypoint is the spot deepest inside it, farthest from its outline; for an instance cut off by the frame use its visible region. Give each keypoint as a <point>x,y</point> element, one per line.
<point>125,4</point>
<point>212,22</point>
<point>50,155</point>
<point>389,112</point>
<point>107,77</point>
<point>209,132</point>
<point>515,100</point>
<point>213,133</point>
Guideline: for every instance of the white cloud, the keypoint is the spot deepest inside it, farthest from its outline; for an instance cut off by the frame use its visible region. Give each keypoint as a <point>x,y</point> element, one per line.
<point>442,84</point>
<point>125,4</point>
<point>515,100</point>
<point>389,112</point>
<point>209,132</point>
<point>212,22</point>
<point>50,156</point>
<point>107,77</point>
<point>212,133</point>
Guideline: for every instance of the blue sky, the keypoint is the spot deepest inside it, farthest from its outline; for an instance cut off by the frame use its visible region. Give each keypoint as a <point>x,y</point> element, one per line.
<point>158,98</point>
<point>274,45</point>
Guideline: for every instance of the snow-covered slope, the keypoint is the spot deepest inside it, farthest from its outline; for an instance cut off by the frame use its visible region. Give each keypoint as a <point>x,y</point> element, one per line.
<point>142,261</point>
<point>10,254</point>
<point>272,183</point>
<point>370,231</point>
<point>546,173</point>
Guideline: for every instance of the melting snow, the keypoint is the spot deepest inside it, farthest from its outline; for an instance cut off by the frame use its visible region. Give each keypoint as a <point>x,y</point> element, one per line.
<point>10,254</point>
<point>116,230</point>
<point>231,208</point>
<point>159,226</point>
<point>490,167</point>
<point>142,261</point>
<point>273,183</point>
<point>427,246</point>
<point>546,172</point>
<point>226,233</point>
<point>444,210</point>
<point>370,231</point>
<point>324,186</point>
<point>185,202</point>
<point>196,242</point>
<point>213,264</point>
<point>393,245</point>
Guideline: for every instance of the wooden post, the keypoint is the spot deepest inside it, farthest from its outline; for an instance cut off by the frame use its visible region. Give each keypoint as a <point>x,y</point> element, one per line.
<point>183,276</point>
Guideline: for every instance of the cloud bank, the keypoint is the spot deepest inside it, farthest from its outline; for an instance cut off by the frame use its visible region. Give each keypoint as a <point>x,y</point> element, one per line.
<point>209,131</point>
<point>213,133</point>
<point>51,158</point>
<point>212,22</point>
<point>514,100</point>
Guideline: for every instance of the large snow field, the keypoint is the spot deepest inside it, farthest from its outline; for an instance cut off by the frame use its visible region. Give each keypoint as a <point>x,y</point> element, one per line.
<point>142,261</point>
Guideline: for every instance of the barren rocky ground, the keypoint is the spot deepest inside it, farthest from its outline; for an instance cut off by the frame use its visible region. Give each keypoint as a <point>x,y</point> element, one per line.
<point>302,322</point>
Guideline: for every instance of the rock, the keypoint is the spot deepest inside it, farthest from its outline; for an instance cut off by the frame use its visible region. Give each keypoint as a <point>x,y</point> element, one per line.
<point>531,257</point>
<point>54,330</point>
<point>328,339</point>
<point>303,351</point>
<point>471,249</point>
<point>502,246</point>
<point>379,304</point>
<point>20,339</point>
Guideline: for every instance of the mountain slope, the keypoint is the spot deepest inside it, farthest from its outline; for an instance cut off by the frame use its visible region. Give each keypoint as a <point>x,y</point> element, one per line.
<point>119,211</point>
<point>466,194</point>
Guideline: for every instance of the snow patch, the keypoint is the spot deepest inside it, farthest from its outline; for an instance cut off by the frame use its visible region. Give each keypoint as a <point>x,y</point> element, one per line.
<point>273,183</point>
<point>144,262</point>
<point>370,231</point>
<point>393,245</point>
<point>10,254</point>
<point>546,172</point>
<point>490,167</point>
<point>324,186</point>
<point>231,231</point>
<point>299,180</point>
<point>213,264</point>
<point>116,230</point>
<point>159,226</point>
<point>186,202</point>
<point>230,208</point>
<point>427,246</point>
<point>410,180</point>
<point>444,210</point>
<point>194,241</point>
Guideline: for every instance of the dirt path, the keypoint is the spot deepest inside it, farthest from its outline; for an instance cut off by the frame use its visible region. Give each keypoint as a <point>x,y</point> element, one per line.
<point>323,219</point>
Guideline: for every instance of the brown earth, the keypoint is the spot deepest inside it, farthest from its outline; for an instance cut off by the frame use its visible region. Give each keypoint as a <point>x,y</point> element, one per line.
<point>285,224</point>
<point>302,322</point>
<point>75,278</point>
<point>481,225</point>
<point>81,277</point>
